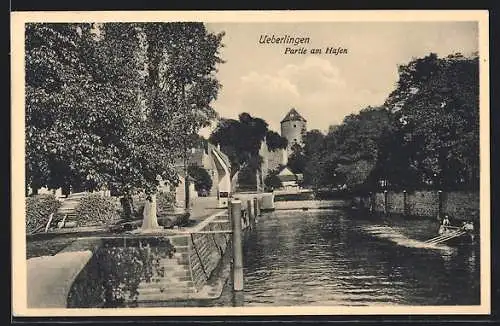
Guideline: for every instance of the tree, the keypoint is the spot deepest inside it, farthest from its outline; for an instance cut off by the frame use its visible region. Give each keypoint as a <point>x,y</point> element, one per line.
<point>297,160</point>
<point>351,150</point>
<point>275,141</point>
<point>108,104</point>
<point>241,140</point>
<point>185,57</point>
<point>203,181</point>
<point>315,171</point>
<point>436,104</point>
<point>272,181</point>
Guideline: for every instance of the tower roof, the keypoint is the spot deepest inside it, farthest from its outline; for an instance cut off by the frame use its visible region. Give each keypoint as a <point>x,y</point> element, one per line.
<point>293,115</point>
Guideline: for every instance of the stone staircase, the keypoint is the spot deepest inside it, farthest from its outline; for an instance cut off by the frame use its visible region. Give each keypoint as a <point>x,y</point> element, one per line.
<point>66,212</point>
<point>175,283</point>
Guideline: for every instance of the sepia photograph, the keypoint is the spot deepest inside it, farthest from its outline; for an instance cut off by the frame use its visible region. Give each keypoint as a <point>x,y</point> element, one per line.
<point>203,163</point>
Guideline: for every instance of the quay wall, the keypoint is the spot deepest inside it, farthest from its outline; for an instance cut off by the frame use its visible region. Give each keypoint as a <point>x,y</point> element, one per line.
<point>206,251</point>
<point>459,205</point>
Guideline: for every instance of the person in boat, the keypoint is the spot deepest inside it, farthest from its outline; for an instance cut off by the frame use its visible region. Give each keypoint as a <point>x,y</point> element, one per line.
<point>468,226</point>
<point>445,223</point>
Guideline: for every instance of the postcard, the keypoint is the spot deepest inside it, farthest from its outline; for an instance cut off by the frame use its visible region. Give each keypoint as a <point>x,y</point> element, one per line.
<point>250,163</point>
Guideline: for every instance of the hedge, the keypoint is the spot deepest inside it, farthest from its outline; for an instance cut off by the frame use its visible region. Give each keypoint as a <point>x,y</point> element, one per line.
<point>164,202</point>
<point>38,210</point>
<point>95,209</point>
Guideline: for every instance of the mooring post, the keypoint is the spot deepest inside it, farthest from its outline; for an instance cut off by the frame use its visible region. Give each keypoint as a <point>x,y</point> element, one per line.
<point>405,204</point>
<point>237,245</point>
<point>440,204</point>
<point>250,213</point>
<point>255,208</point>
<point>386,210</point>
<point>229,212</point>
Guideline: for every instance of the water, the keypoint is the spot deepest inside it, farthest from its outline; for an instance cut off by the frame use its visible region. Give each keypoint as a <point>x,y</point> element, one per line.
<point>320,257</point>
<point>326,257</point>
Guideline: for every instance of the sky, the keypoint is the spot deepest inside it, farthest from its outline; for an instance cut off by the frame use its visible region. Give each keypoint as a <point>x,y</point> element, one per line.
<point>264,81</point>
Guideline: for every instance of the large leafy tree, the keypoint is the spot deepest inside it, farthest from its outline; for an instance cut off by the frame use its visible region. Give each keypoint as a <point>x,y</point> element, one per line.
<point>436,104</point>
<point>352,148</point>
<point>241,140</point>
<point>113,104</point>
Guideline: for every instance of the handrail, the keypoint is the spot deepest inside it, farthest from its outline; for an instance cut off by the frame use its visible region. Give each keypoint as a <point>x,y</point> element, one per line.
<point>199,257</point>
<point>51,216</point>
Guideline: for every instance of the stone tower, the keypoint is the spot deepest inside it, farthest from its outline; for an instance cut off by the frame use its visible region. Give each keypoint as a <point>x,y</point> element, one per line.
<point>293,127</point>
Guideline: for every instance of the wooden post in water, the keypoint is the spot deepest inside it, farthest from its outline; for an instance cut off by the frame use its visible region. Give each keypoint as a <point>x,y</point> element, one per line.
<point>235,207</point>
<point>371,202</point>
<point>386,209</point>
<point>256,208</point>
<point>405,203</point>
<point>440,204</point>
<point>250,213</point>
<point>229,212</point>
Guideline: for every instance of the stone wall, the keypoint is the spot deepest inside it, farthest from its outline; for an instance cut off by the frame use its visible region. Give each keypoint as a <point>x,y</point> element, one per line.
<point>423,203</point>
<point>395,202</point>
<point>206,251</point>
<point>459,205</point>
<point>462,204</point>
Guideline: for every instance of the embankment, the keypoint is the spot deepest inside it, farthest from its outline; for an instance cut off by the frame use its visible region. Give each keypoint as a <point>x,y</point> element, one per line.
<point>459,205</point>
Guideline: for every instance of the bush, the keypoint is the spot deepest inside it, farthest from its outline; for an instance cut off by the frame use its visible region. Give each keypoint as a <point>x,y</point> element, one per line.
<point>96,209</point>
<point>38,210</point>
<point>138,202</point>
<point>164,202</point>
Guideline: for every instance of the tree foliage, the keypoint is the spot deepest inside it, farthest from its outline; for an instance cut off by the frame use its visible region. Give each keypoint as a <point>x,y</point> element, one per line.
<point>275,141</point>
<point>426,133</point>
<point>297,160</point>
<point>436,109</point>
<point>203,180</point>
<point>242,139</point>
<point>272,181</point>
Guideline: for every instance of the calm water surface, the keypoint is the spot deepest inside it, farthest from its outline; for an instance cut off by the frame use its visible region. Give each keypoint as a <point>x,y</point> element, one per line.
<point>326,257</point>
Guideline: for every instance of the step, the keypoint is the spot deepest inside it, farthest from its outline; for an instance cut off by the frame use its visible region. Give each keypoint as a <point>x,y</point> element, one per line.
<point>170,284</point>
<point>175,270</point>
<point>185,277</point>
<point>165,296</point>
<point>181,249</point>
<point>168,289</point>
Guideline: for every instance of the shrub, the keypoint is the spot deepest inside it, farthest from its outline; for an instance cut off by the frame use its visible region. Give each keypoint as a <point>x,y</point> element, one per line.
<point>96,209</point>
<point>38,210</point>
<point>138,202</point>
<point>164,202</point>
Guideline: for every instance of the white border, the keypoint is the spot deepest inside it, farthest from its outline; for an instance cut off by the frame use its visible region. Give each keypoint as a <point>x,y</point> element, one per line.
<point>17,123</point>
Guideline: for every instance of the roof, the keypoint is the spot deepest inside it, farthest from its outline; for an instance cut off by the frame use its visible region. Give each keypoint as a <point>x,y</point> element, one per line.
<point>293,115</point>
<point>222,155</point>
<point>285,171</point>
